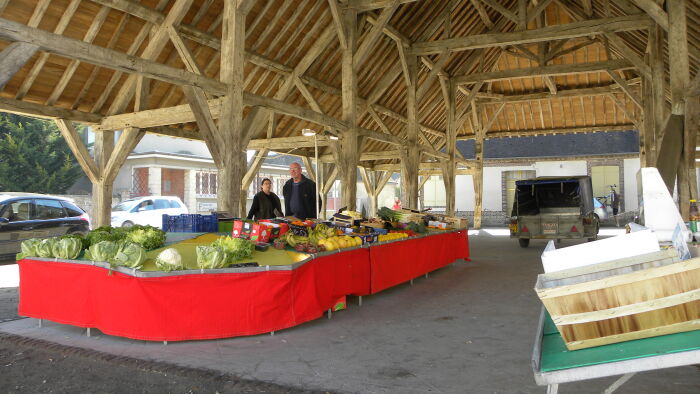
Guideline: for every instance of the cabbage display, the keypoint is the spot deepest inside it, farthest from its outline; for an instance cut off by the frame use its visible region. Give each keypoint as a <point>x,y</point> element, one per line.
<point>169,260</point>
<point>147,236</point>
<point>29,248</point>
<point>85,242</point>
<point>45,247</point>
<point>234,248</point>
<point>105,233</point>
<point>130,255</point>
<point>210,257</point>
<point>102,251</point>
<point>66,248</point>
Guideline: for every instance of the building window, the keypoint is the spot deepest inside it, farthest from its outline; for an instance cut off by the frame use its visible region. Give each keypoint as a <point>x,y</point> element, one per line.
<point>205,184</point>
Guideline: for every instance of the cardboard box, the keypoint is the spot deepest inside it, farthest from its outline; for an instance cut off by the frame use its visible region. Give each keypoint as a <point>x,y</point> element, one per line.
<point>241,229</point>
<point>260,233</point>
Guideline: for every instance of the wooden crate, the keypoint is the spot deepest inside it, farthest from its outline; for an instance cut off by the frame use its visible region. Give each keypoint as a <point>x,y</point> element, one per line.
<point>452,221</point>
<point>638,297</point>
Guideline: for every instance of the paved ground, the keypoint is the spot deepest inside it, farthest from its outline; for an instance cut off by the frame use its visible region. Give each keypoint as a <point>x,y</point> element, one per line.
<point>469,328</point>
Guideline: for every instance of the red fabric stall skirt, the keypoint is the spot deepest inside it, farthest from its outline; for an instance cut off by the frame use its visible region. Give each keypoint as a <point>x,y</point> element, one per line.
<point>220,305</point>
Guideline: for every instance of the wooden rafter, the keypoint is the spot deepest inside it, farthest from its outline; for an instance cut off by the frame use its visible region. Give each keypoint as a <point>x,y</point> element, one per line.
<point>549,33</point>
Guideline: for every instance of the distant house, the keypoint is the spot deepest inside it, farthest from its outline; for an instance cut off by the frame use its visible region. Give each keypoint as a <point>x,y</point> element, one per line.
<point>161,165</point>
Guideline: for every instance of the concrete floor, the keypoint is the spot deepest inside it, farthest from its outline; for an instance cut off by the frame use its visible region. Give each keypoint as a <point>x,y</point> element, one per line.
<point>468,328</point>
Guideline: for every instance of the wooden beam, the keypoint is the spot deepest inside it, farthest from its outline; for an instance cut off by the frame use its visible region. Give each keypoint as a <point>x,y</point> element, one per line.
<point>627,113</point>
<point>654,10</point>
<point>368,5</point>
<point>337,19</point>
<point>628,53</point>
<point>253,169</point>
<point>573,48</point>
<point>626,88</point>
<point>153,49</point>
<point>67,74</point>
<point>374,34</point>
<point>482,13</point>
<point>551,70</point>
<point>538,9</point>
<point>13,58</point>
<point>501,9</point>
<point>281,143</point>
<point>128,140</point>
<point>548,33</point>
<point>38,65</point>
<point>74,49</point>
<point>76,145</point>
<point>44,112</point>
<point>205,121</point>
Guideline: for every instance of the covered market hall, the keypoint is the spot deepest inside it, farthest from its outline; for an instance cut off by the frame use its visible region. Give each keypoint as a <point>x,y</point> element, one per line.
<point>368,95</point>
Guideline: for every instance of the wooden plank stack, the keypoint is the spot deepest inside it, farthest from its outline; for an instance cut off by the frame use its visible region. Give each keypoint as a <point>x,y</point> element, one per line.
<point>638,297</point>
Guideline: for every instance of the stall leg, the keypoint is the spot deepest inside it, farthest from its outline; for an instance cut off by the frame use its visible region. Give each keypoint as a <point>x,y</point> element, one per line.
<point>359,302</point>
<point>619,382</point>
<point>272,333</point>
<point>552,389</point>
<point>87,332</point>
<point>165,343</point>
<point>426,275</point>
<point>330,313</point>
<point>411,282</point>
<point>41,323</point>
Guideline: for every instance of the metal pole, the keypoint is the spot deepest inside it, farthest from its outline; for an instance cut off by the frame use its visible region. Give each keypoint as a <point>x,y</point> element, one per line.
<point>318,210</point>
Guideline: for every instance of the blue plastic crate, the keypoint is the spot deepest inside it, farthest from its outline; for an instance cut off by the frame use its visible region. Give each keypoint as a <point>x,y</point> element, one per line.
<point>190,223</point>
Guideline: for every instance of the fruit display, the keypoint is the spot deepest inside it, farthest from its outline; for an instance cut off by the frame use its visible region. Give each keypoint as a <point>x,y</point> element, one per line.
<point>392,236</point>
<point>340,242</point>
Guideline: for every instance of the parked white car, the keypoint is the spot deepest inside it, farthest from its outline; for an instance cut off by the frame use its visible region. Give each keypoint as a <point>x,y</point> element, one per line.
<point>146,211</point>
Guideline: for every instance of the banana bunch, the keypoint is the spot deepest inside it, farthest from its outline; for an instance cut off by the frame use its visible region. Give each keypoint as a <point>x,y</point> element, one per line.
<point>294,240</point>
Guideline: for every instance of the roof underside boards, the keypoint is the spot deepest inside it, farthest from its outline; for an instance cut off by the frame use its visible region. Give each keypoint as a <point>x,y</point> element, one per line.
<point>284,37</point>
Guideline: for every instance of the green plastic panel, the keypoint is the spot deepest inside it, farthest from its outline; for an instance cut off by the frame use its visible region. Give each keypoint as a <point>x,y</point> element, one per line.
<point>556,357</point>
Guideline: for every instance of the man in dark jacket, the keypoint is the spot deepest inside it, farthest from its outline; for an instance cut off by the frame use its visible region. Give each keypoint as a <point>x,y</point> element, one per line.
<point>299,194</point>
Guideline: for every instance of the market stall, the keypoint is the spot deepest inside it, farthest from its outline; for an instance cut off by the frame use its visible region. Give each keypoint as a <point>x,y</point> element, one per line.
<point>268,291</point>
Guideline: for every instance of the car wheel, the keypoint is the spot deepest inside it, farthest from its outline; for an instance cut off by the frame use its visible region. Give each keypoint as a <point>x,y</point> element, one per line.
<point>127,224</point>
<point>524,242</point>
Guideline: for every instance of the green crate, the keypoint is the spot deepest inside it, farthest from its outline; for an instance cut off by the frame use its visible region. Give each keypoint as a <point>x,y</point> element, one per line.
<point>226,226</point>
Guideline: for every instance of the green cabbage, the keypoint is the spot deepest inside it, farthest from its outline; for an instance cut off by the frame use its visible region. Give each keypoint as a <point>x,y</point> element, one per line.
<point>169,260</point>
<point>102,251</point>
<point>131,255</point>
<point>147,236</point>
<point>85,242</point>
<point>29,248</point>
<point>210,257</point>
<point>235,248</point>
<point>45,247</point>
<point>105,233</point>
<point>66,248</point>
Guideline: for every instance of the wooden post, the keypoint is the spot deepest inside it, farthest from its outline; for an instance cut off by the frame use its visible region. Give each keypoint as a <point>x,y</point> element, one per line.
<point>102,189</point>
<point>347,150</point>
<point>233,157</point>
<point>410,153</point>
<point>478,175</point>
<point>658,89</point>
<point>449,166</point>
<point>680,78</point>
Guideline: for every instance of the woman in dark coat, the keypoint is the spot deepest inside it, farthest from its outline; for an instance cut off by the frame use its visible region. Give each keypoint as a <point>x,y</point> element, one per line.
<point>266,204</point>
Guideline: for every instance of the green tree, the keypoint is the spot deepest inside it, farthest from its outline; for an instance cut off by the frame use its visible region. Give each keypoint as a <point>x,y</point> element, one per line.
<point>34,157</point>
